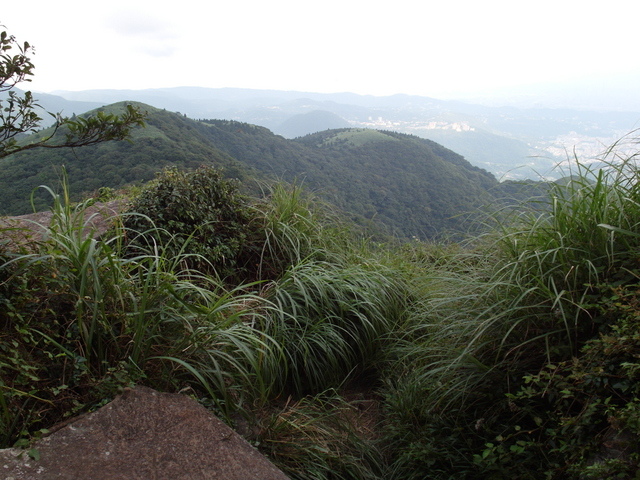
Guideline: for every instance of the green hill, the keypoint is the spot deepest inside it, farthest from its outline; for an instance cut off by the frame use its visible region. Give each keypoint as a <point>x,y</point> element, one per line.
<point>416,185</point>
<point>411,186</point>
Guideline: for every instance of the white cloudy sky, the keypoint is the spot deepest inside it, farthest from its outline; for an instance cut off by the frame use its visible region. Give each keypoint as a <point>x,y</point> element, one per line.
<point>364,46</point>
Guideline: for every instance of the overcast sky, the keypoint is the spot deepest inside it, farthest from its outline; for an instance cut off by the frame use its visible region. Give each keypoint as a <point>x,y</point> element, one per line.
<point>432,48</point>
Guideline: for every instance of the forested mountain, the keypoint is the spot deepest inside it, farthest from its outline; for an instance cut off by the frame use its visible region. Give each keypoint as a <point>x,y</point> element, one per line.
<point>411,186</point>
<point>411,182</point>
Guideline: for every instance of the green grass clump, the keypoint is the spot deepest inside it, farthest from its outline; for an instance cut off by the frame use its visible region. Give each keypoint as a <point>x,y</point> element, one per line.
<point>331,320</point>
<point>290,227</point>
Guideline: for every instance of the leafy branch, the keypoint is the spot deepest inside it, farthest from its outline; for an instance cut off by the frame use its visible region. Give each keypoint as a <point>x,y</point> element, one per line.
<point>18,115</point>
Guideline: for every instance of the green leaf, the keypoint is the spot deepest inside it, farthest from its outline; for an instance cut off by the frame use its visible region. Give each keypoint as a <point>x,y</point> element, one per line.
<point>34,453</point>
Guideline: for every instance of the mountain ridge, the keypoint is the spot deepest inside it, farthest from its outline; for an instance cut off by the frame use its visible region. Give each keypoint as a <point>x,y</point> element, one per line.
<point>512,142</point>
<point>402,183</point>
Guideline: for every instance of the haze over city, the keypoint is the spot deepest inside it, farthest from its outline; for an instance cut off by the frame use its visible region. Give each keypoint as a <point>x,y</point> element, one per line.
<point>569,51</point>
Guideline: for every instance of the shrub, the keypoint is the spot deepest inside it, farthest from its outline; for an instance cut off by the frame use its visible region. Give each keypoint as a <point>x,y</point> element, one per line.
<point>199,214</point>
<point>584,412</point>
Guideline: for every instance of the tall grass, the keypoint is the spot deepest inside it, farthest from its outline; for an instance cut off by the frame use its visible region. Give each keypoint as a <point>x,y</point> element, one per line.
<point>544,267</point>
<point>84,320</point>
<point>330,321</point>
<point>109,313</point>
<point>315,438</point>
<point>64,314</point>
<point>516,300</point>
<point>585,239</point>
<point>296,227</point>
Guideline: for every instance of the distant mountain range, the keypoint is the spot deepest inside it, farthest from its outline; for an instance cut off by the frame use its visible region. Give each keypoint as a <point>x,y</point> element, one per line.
<point>402,184</point>
<point>511,143</point>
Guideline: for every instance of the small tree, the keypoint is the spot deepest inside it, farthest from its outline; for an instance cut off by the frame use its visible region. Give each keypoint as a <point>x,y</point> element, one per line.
<point>18,114</point>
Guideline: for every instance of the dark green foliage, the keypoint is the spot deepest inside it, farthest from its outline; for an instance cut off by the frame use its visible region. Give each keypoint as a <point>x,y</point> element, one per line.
<point>582,415</point>
<point>17,115</point>
<point>198,213</point>
<point>415,186</point>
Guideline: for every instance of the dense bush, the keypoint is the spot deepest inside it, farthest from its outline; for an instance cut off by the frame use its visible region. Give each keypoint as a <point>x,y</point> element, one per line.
<point>197,213</point>
<point>84,317</point>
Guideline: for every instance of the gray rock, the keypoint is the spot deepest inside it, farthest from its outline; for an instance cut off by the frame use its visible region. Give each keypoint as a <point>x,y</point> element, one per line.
<point>142,434</point>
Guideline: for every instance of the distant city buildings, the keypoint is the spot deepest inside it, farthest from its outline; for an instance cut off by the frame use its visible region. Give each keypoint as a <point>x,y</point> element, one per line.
<point>415,126</point>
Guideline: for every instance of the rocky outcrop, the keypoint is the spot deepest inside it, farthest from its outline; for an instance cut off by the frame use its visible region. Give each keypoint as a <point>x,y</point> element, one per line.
<point>24,230</point>
<point>142,434</point>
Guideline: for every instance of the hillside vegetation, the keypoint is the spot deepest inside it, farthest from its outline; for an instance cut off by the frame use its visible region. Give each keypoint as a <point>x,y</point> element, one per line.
<point>512,355</point>
<point>231,273</point>
<point>400,184</point>
<point>167,140</point>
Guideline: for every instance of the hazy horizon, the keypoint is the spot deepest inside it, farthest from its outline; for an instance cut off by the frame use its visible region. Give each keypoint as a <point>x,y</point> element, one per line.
<point>495,51</point>
<point>578,96</point>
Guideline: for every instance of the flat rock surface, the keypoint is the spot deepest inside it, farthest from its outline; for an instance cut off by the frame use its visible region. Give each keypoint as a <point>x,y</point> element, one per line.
<point>142,434</point>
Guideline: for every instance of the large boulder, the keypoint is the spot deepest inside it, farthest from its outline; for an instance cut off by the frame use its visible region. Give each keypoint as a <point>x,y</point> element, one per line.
<point>142,434</point>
